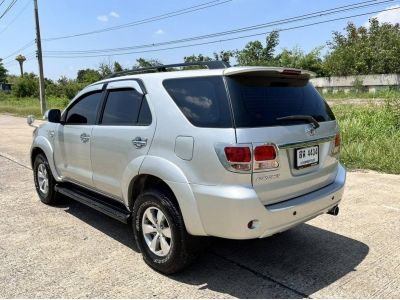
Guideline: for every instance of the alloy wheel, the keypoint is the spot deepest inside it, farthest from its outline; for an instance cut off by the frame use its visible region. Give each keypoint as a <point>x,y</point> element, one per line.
<point>156,231</point>
<point>43,179</point>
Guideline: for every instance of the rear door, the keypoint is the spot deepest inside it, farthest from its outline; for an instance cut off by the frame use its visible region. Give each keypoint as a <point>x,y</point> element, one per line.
<point>125,132</point>
<point>304,154</point>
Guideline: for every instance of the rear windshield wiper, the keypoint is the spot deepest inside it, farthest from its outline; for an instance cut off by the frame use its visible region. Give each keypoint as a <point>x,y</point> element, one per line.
<point>307,118</point>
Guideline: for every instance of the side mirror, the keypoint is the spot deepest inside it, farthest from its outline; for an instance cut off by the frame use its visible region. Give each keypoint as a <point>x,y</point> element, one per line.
<point>53,115</point>
<point>30,119</point>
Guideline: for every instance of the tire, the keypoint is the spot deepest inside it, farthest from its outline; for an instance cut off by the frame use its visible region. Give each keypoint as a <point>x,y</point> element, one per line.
<point>42,174</point>
<point>182,250</point>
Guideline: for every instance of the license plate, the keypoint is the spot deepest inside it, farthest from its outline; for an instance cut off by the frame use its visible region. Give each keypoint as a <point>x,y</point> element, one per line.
<point>307,157</point>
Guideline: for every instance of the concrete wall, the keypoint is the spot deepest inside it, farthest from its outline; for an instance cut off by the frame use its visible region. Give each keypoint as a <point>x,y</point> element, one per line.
<point>370,83</point>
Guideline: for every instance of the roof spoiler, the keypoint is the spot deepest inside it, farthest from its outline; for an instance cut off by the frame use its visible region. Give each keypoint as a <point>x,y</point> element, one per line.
<point>269,72</point>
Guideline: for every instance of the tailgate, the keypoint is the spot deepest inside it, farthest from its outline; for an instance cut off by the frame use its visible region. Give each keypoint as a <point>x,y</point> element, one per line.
<point>280,107</point>
<point>290,180</point>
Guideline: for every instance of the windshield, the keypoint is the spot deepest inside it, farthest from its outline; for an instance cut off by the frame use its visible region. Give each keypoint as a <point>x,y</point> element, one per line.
<point>261,101</point>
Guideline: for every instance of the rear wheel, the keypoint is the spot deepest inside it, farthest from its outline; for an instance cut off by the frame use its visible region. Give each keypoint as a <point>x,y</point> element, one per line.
<point>44,180</point>
<point>161,234</point>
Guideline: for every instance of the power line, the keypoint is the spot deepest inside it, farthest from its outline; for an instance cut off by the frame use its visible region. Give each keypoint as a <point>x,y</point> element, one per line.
<point>224,33</point>
<point>8,8</point>
<point>31,43</point>
<point>234,31</point>
<point>147,20</point>
<point>14,62</point>
<point>17,16</point>
<point>230,39</point>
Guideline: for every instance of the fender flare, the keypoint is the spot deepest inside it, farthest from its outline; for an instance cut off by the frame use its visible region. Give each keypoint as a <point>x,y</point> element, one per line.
<point>174,177</point>
<point>43,144</point>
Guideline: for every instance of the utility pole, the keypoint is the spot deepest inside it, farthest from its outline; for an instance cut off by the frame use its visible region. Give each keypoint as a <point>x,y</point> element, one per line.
<point>40,60</point>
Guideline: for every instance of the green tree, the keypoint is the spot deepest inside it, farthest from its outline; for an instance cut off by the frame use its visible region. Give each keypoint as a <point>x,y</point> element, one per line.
<point>224,55</point>
<point>63,80</point>
<point>146,63</point>
<point>27,86</point>
<point>3,72</point>
<point>118,67</point>
<point>364,50</point>
<point>297,58</point>
<point>254,53</point>
<point>196,58</point>
<point>88,76</point>
<point>105,69</point>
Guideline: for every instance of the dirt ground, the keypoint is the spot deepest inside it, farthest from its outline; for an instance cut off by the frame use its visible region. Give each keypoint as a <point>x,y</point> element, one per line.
<point>71,251</point>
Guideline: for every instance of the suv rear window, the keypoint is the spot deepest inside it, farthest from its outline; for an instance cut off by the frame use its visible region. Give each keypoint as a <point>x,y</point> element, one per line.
<point>259,101</point>
<point>202,100</point>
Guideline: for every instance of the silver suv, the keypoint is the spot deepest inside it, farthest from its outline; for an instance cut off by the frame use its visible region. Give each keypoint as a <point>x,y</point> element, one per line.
<point>231,152</point>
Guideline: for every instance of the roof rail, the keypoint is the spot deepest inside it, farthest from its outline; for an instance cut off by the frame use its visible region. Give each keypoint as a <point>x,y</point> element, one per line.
<point>214,64</point>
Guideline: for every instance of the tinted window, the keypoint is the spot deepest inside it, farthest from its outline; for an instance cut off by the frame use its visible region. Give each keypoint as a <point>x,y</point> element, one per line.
<point>202,100</point>
<point>85,110</point>
<point>145,114</point>
<point>122,107</point>
<point>258,102</point>
<point>126,107</point>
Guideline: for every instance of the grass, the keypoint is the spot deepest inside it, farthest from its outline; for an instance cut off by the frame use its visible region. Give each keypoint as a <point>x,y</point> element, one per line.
<point>379,94</point>
<point>370,133</point>
<point>370,136</point>
<point>27,106</point>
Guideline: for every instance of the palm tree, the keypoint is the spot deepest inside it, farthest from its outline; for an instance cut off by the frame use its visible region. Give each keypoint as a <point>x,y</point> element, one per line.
<point>20,58</point>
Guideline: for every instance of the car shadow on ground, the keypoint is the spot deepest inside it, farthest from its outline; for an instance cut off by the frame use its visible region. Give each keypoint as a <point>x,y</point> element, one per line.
<point>293,264</point>
<point>114,229</point>
<point>301,261</point>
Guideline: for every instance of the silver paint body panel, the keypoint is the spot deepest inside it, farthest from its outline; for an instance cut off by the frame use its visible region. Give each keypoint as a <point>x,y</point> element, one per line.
<point>205,189</point>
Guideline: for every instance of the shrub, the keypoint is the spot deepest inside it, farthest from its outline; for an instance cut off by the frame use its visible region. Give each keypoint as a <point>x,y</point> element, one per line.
<point>27,86</point>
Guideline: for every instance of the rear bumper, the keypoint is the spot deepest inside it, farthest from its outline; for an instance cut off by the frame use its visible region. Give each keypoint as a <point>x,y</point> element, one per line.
<point>225,211</point>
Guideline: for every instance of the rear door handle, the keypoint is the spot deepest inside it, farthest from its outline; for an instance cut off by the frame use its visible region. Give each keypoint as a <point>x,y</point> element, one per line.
<point>84,137</point>
<point>138,142</point>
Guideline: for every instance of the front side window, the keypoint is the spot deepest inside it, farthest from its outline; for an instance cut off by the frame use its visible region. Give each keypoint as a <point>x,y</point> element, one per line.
<point>126,107</point>
<point>202,100</point>
<point>84,112</point>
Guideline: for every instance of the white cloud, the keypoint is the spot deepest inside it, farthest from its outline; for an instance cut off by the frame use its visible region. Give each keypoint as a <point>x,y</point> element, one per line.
<point>102,18</point>
<point>114,14</point>
<point>159,31</point>
<point>390,16</point>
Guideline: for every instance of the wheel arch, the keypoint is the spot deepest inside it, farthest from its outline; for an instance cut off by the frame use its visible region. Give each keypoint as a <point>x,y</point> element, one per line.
<point>35,152</point>
<point>156,172</point>
<point>42,145</point>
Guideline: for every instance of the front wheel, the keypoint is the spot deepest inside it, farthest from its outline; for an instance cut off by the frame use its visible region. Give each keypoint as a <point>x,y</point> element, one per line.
<point>161,234</point>
<point>44,180</point>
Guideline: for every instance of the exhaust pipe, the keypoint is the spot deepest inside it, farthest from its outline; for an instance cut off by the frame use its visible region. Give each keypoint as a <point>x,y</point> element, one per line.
<point>334,211</point>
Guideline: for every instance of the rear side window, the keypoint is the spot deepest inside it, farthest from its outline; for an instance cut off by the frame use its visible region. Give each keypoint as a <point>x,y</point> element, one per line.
<point>259,102</point>
<point>126,107</point>
<point>84,112</point>
<point>202,100</point>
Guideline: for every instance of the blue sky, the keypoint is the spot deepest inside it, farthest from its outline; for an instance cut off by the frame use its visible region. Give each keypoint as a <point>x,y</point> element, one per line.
<point>61,17</point>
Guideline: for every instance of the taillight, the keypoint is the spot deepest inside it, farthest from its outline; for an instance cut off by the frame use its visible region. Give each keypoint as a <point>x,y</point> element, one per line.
<point>239,158</point>
<point>238,154</point>
<point>336,148</point>
<point>265,157</point>
<point>264,153</point>
<point>244,158</point>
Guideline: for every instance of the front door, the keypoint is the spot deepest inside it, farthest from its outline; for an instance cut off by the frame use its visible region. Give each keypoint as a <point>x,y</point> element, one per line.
<point>73,139</point>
